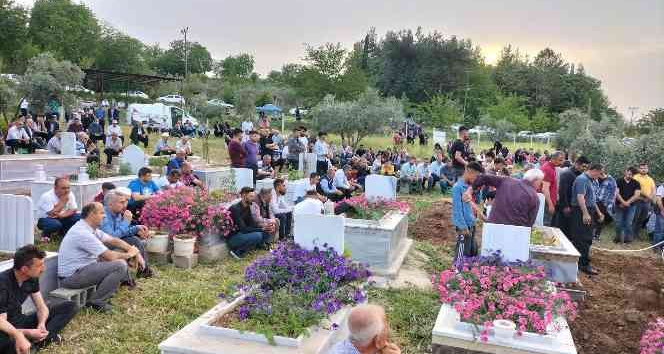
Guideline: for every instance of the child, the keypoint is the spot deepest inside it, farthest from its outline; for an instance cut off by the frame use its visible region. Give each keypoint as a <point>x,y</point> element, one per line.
<point>463,216</point>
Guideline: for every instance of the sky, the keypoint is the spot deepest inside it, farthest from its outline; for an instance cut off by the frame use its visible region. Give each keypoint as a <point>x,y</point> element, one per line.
<point>620,42</point>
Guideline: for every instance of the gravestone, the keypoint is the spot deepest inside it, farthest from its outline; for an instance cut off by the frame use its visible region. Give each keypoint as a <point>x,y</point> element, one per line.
<point>381,187</point>
<point>539,221</point>
<point>134,156</point>
<point>307,163</point>
<point>264,183</point>
<point>439,137</point>
<point>67,143</point>
<point>244,177</point>
<point>296,189</point>
<point>513,242</point>
<point>316,230</point>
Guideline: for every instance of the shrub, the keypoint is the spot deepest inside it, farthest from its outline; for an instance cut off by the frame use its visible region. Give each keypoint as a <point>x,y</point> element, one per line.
<point>652,341</point>
<point>374,210</point>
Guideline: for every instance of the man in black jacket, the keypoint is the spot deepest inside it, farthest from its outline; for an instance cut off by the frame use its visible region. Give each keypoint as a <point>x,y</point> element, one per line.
<point>566,179</point>
<point>247,235</point>
<point>138,134</point>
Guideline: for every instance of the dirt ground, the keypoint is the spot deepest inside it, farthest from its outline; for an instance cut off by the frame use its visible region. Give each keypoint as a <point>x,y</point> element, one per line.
<point>626,295</point>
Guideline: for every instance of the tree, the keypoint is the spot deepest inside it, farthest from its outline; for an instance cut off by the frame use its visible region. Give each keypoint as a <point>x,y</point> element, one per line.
<point>439,112</point>
<point>172,61</point>
<point>70,31</point>
<point>543,121</point>
<point>46,79</point>
<point>14,33</point>
<point>235,68</point>
<point>8,99</point>
<point>651,121</point>
<point>511,109</point>
<point>121,53</point>
<point>327,59</point>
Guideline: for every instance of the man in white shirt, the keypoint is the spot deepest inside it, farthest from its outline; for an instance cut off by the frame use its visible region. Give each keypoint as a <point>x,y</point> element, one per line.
<point>57,209</point>
<point>424,172</point>
<point>115,128</point>
<point>55,145</point>
<point>368,333</point>
<point>162,147</point>
<point>281,208</point>
<point>84,259</point>
<point>247,126</point>
<point>343,184</point>
<point>17,137</point>
<point>304,140</point>
<point>321,149</point>
<point>113,147</point>
<point>310,205</point>
<point>185,145</point>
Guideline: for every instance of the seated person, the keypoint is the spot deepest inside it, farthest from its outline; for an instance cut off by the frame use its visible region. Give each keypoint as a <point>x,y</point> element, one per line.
<point>261,210</point>
<point>311,204</point>
<point>105,188</point>
<point>176,162</point>
<point>184,144</point>
<point>54,145</point>
<point>84,260</point>
<point>173,180</point>
<point>117,223</point>
<point>387,169</point>
<point>139,135</point>
<point>142,189</point>
<point>162,147</point>
<point>96,131</point>
<point>435,167</point>
<point>189,179</point>
<point>17,137</point>
<point>369,333</point>
<point>247,234</point>
<point>265,170</point>
<point>424,173</point>
<point>57,210</point>
<point>329,187</point>
<point>18,332</point>
<point>188,129</point>
<point>408,176</point>
<point>281,208</point>
<point>89,149</point>
<point>113,147</point>
<point>344,184</point>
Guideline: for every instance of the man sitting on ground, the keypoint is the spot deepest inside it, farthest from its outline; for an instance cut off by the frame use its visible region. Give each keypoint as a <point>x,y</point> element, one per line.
<point>117,223</point>
<point>176,162</point>
<point>139,135</point>
<point>84,260</point>
<point>19,331</point>
<point>265,170</point>
<point>105,188</point>
<point>17,137</point>
<point>329,187</point>
<point>57,210</point>
<point>310,205</point>
<point>184,144</point>
<point>142,189</point>
<point>162,147</point>
<point>282,210</point>
<point>247,235</point>
<point>369,333</point>
<point>189,179</point>
<point>54,145</point>
<point>173,180</point>
<point>112,147</point>
<point>408,175</point>
<point>261,209</point>
<point>342,182</point>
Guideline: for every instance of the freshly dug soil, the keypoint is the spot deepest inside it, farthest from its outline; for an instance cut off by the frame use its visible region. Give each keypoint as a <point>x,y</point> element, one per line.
<point>621,300</point>
<point>435,225</point>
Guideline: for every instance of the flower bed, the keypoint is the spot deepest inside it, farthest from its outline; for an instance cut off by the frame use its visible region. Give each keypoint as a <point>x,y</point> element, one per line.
<point>486,289</point>
<point>541,238</point>
<point>652,341</point>
<point>290,291</point>
<point>375,209</point>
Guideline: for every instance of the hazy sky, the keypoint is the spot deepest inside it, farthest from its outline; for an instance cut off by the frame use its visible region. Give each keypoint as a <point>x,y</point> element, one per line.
<point>620,42</point>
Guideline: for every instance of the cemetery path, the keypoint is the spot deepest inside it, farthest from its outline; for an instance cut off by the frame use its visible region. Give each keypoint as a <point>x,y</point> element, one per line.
<point>621,300</point>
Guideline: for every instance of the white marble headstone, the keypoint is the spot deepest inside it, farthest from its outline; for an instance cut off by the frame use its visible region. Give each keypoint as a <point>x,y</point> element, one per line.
<point>134,156</point>
<point>381,187</point>
<point>244,177</point>
<point>264,183</point>
<point>308,163</point>
<point>539,221</point>
<point>67,143</point>
<point>513,242</point>
<point>316,230</point>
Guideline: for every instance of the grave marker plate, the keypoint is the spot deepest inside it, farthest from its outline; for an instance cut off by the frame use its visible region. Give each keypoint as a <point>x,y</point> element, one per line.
<point>244,177</point>
<point>134,156</point>
<point>384,187</point>
<point>67,143</point>
<point>512,241</point>
<point>316,230</point>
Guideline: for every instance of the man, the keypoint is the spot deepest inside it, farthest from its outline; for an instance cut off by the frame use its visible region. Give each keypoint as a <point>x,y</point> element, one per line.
<point>563,206</point>
<point>447,175</point>
<point>173,180</point>
<point>463,216</point>
<point>550,185</point>
<point>606,197</point>
<point>114,128</point>
<point>113,147</point>
<point>75,126</point>
<point>435,169</point>
<point>281,208</point>
<point>424,173</point>
<point>265,170</point>
<point>17,137</point>
<point>629,191</point>
<point>189,179</point>
<point>459,151</point>
<point>644,203</point>
<point>138,134</point>
<point>304,138</point>
<point>54,145</point>
<point>18,332</point>
<point>162,147</point>
<point>142,189</point>
<point>516,201</point>
<point>329,187</point>
<point>105,188</point>
<point>658,235</point>
<point>251,147</point>
<point>261,210</point>
<point>346,186</point>
<point>96,131</point>
<point>369,333</point>
<point>84,260</point>
<point>236,151</point>
<point>52,125</point>
<point>321,149</point>
<point>311,204</point>
<point>176,162</point>
<point>247,234</point>
<point>266,145</point>
<point>295,148</point>
<point>408,176</point>
<point>57,209</point>
<point>184,144</point>
<point>117,223</point>
<point>585,214</point>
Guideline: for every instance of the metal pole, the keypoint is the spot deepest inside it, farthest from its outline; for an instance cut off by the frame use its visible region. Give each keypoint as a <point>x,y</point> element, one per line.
<point>184,31</point>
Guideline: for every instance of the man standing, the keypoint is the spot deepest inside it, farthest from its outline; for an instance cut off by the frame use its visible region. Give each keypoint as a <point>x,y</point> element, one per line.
<point>251,147</point>
<point>57,209</point>
<point>459,151</point>
<point>629,191</point>
<point>117,223</point>
<point>42,327</point>
<point>644,203</point>
<point>563,206</point>
<point>550,185</point>
<point>281,208</point>
<point>84,260</point>
<point>369,333</point>
<point>295,148</point>
<point>606,198</point>
<point>247,235</point>
<point>321,149</point>
<point>463,216</point>
<point>236,151</point>
<point>585,214</point>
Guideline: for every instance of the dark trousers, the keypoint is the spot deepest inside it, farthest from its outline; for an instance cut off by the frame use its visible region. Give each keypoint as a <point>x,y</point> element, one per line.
<point>138,139</point>
<point>135,207</point>
<point>581,234</point>
<point>58,317</point>
<point>562,221</point>
<point>15,144</point>
<point>640,217</point>
<point>138,243</point>
<point>242,243</point>
<point>254,168</point>
<point>107,276</point>
<point>607,220</point>
<point>50,226</point>
<point>109,155</point>
<point>466,245</point>
<point>321,168</point>
<point>96,138</point>
<point>285,224</point>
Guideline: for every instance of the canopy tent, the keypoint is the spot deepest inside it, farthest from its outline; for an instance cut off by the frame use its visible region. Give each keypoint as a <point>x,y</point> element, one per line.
<point>269,108</point>
<point>101,80</point>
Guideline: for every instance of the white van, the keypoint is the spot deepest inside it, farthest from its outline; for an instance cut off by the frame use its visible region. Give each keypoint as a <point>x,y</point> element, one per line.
<point>158,115</point>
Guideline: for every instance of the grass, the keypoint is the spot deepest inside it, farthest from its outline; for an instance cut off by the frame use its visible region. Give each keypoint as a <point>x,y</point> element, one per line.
<point>438,257</point>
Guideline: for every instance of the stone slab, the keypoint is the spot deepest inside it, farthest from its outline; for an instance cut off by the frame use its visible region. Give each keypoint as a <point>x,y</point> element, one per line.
<point>22,167</point>
<point>218,178</point>
<point>159,258</point>
<point>68,143</point>
<point>134,156</point>
<point>244,177</point>
<point>381,187</point>
<point>264,183</point>
<point>561,262</point>
<point>185,262</point>
<point>312,231</point>
<point>512,241</point>
<point>213,253</point>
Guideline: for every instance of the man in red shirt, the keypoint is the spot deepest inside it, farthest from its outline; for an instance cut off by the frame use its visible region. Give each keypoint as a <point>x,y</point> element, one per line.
<point>236,151</point>
<point>550,185</point>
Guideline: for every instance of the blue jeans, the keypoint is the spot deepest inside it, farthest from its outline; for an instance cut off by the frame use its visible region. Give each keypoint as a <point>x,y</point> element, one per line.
<point>444,186</point>
<point>241,243</point>
<point>659,229</point>
<point>51,225</point>
<point>624,219</point>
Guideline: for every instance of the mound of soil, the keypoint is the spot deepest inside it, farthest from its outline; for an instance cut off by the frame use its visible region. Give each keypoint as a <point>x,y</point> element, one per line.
<point>621,300</point>
<point>435,225</point>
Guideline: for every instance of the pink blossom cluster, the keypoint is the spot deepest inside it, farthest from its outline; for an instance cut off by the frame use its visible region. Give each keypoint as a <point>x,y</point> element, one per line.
<point>362,203</point>
<point>521,294</point>
<point>652,341</point>
<point>186,210</point>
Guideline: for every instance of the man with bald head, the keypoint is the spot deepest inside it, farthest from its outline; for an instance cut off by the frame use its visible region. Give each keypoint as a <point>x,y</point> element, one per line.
<point>369,333</point>
<point>188,178</point>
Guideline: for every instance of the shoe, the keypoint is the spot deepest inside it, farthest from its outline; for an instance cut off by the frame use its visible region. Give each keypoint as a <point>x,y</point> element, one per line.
<point>105,308</point>
<point>589,270</point>
<point>235,254</point>
<point>130,284</point>
<point>145,273</point>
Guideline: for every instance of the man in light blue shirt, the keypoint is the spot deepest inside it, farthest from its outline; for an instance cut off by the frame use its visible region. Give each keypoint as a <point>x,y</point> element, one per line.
<point>368,333</point>
<point>342,183</point>
<point>329,186</point>
<point>322,151</point>
<point>142,189</point>
<point>463,216</point>
<point>408,176</point>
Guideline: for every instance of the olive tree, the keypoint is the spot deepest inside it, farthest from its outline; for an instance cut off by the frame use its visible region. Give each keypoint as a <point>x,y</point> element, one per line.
<point>46,78</point>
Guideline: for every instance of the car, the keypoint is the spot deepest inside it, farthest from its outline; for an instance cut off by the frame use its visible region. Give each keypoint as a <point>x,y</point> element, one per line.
<point>11,77</point>
<point>219,103</point>
<point>171,99</point>
<point>139,94</point>
<point>525,133</point>
<point>79,88</point>
<point>303,111</point>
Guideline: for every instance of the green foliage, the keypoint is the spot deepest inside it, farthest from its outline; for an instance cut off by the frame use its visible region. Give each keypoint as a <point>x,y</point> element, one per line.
<point>93,170</point>
<point>121,53</point>
<point>125,169</point>
<point>14,33</point>
<point>158,161</point>
<point>328,59</point>
<point>574,122</point>
<point>46,78</point>
<point>439,112</point>
<point>235,69</point>
<point>8,97</point>
<point>542,121</point>
<point>511,109</point>
<point>651,121</point>
<point>172,61</point>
